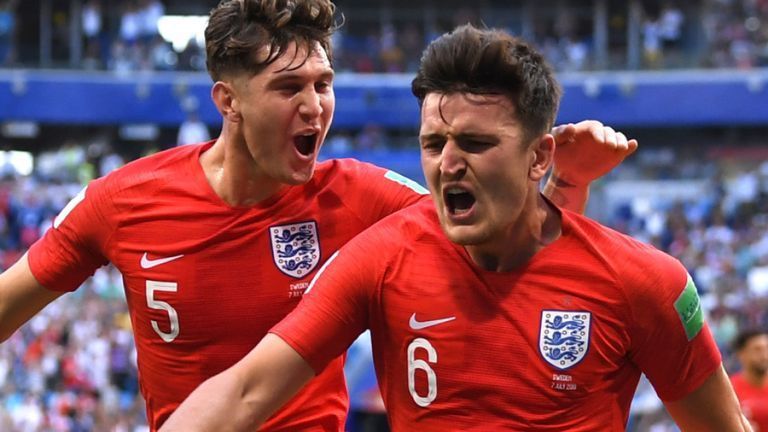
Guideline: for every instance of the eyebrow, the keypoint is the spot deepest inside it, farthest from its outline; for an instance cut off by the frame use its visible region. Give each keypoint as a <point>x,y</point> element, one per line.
<point>477,137</point>
<point>468,136</point>
<point>281,77</point>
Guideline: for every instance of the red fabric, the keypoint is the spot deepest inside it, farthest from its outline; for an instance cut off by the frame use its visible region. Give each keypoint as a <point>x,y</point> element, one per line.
<point>226,289</point>
<point>485,365</point>
<point>754,401</point>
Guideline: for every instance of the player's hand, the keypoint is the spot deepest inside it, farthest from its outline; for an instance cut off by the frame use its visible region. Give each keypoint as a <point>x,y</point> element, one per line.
<point>587,150</point>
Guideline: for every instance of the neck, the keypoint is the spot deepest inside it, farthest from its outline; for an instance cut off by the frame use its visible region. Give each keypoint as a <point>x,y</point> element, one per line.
<point>232,173</point>
<point>537,225</point>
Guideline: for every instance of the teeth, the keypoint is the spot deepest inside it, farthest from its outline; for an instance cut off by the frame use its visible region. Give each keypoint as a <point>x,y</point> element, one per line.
<point>455,190</point>
<point>460,211</point>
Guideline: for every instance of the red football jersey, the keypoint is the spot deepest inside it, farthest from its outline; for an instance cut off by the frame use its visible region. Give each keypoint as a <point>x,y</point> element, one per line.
<point>557,345</point>
<point>204,280</point>
<point>754,401</point>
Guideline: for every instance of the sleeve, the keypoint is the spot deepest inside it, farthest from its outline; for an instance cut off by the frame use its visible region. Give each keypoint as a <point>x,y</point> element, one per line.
<point>71,250</point>
<point>374,192</point>
<point>671,342</point>
<point>336,307</point>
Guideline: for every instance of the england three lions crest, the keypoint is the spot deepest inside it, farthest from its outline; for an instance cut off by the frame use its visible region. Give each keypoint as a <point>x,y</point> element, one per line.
<point>564,337</point>
<point>295,248</point>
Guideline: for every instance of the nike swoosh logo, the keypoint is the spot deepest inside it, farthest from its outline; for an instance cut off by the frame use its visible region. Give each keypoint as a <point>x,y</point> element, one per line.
<point>147,263</point>
<point>418,325</point>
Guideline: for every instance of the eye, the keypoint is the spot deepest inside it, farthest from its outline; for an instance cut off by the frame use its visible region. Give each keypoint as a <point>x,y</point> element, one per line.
<point>432,146</point>
<point>323,86</point>
<point>475,146</point>
<point>289,89</point>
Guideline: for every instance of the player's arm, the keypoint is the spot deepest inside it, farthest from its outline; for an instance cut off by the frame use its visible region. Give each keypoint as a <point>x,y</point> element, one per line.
<point>242,397</point>
<point>584,152</point>
<point>21,297</point>
<point>711,407</point>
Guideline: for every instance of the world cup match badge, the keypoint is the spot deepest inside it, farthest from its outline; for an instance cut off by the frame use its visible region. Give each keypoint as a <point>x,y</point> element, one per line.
<point>295,248</point>
<point>564,337</point>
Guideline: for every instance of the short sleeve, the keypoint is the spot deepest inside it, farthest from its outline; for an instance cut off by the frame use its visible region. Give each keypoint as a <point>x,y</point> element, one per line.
<point>336,307</point>
<point>71,250</point>
<point>671,342</point>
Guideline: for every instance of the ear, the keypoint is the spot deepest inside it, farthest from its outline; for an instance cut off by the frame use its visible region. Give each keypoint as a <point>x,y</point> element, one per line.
<point>225,99</point>
<point>542,156</point>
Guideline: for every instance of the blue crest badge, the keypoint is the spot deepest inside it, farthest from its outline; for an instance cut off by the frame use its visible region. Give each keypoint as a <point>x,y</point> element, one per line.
<point>564,337</point>
<point>295,248</point>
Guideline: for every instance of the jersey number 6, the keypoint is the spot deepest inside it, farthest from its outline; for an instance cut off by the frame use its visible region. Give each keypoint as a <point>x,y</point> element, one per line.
<point>153,286</point>
<point>415,364</point>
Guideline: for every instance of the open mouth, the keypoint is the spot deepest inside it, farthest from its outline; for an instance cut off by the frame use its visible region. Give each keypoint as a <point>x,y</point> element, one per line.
<point>305,144</point>
<point>459,201</point>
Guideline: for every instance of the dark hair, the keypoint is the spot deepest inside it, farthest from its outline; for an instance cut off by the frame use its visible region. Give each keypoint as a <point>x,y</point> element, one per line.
<point>238,29</point>
<point>488,61</point>
<point>743,338</point>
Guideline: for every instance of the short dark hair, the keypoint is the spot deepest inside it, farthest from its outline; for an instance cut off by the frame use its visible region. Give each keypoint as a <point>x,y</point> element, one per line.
<point>743,338</point>
<point>489,61</point>
<point>238,29</point>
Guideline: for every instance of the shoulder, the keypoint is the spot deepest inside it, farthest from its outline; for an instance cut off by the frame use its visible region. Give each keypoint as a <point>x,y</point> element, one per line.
<point>347,167</point>
<point>159,168</point>
<point>614,246</point>
<point>633,262</point>
<point>363,175</point>
<point>160,162</point>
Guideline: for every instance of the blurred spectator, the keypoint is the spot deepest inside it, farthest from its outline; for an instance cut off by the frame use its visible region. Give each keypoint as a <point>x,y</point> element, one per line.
<point>671,26</point>
<point>109,162</point>
<point>161,55</point>
<point>338,144</point>
<point>92,27</point>
<point>410,41</point>
<point>391,56</point>
<point>372,137</point>
<point>130,23</point>
<point>751,382</point>
<point>149,14</point>
<point>124,58</point>
<point>652,54</point>
<point>7,31</point>
<point>192,130</point>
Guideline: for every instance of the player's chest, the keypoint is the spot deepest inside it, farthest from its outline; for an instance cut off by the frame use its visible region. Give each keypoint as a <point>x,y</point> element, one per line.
<point>219,276</point>
<point>289,245</point>
<point>530,337</point>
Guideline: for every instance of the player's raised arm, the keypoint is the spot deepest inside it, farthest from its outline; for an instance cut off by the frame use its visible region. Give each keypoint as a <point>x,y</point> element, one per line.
<point>584,152</point>
<point>242,397</point>
<point>712,407</point>
<point>21,297</point>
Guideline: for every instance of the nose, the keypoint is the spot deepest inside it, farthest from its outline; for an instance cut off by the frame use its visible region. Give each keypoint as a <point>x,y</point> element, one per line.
<point>310,106</point>
<point>453,164</point>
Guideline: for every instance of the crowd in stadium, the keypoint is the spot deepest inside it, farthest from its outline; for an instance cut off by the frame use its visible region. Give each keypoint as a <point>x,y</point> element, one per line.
<point>72,368</point>
<point>124,36</point>
<point>735,36</point>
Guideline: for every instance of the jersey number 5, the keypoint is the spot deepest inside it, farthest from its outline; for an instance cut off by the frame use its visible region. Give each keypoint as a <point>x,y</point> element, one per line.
<point>153,286</point>
<point>415,364</point>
